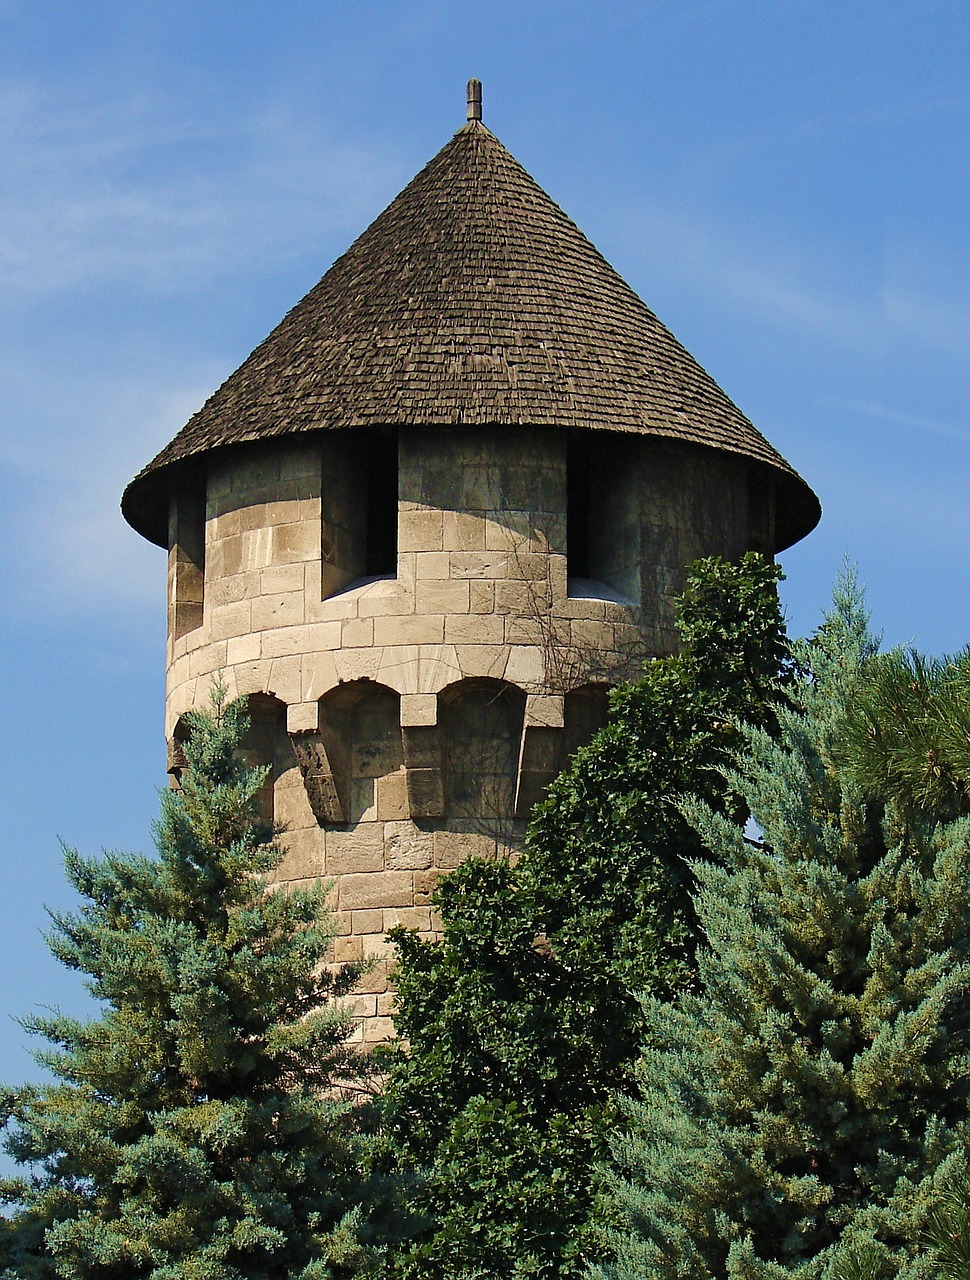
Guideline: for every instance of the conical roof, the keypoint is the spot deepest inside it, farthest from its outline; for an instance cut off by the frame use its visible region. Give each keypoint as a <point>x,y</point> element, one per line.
<point>472,300</point>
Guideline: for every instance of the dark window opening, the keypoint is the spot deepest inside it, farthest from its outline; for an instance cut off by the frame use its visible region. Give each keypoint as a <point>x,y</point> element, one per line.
<point>482,723</point>
<point>186,565</point>
<point>578,462</point>
<point>380,558</point>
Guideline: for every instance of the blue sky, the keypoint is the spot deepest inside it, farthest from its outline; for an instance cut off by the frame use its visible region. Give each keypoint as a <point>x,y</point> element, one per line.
<point>785,183</point>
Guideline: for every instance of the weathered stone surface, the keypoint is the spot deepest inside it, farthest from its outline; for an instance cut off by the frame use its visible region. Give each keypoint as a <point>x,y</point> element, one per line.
<point>407,848</point>
<point>480,603</point>
<point>390,889</point>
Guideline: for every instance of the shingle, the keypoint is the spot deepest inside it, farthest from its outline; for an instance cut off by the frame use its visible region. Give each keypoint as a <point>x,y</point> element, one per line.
<point>473,300</point>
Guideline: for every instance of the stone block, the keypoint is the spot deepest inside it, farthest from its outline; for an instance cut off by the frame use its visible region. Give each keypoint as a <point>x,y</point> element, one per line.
<point>377,947</point>
<point>548,533</point>
<point>285,610</point>
<point>557,572</point>
<point>419,709</point>
<point>392,889</point>
<point>243,649</point>
<point>230,620</point>
<point>420,531</point>
<point>520,599</point>
<point>532,631</point>
<point>354,852</point>
<point>425,793</point>
<point>304,855</point>
<point>463,531</point>
<point>451,848</point>
<point>291,808</point>
<point>392,796</point>
<point>508,531</point>
<point>591,636</point>
<point>357,664</point>
<point>281,578</point>
<point>295,542</point>
<point>481,488</point>
<point>422,746</point>
<point>410,630</point>
<point>383,606</point>
<point>285,679</point>
<point>356,632</point>
<point>348,950</point>
<point>544,709</point>
<point>482,660</point>
<point>368,920</point>
<point>408,918</point>
<point>480,564</point>
<point>406,847</point>
<point>475,628</point>
<point>424,883</point>
<point>481,597</point>
<point>437,666</point>
<point>432,596</point>
<point>375,979</point>
<point>224,558</point>
<point>303,717</point>
<point>528,566</point>
<point>399,668</point>
<point>207,659</point>
<point>526,666</point>
<point>335,610</point>
<point>363,800</point>
<point>362,1006</point>
<point>378,1030</point>
<point>435,565</point>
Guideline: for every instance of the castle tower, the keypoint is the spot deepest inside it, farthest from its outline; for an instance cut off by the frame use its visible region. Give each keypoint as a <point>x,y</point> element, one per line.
<point>431,518</point>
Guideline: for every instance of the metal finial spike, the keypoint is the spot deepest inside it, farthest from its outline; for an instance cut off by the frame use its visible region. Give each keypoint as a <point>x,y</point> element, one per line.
<point>474,99</point>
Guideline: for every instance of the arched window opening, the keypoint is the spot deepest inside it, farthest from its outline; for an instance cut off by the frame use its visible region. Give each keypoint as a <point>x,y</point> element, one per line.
<point>360,731</point>
<point>265,746</point>
<point>585,712</point>
<point>482,723</point>
<point>186,556</point>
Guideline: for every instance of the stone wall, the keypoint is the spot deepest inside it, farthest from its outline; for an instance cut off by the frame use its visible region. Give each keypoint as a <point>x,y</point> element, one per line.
<point>412,719</point>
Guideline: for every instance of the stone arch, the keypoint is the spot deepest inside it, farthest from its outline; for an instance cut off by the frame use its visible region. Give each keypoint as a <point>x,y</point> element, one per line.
<point>359,745</point>
<point>482,723</point>
<point>264,746</point>
<point>585,712</point>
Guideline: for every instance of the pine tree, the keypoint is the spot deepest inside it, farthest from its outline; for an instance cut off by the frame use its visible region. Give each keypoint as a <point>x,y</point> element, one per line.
<point>194,1128</point>
<point>521,1019</point>
<point>804,1111</point>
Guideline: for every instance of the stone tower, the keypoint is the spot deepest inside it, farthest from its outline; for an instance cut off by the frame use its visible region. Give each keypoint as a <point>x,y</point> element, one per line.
<point>428,521</point>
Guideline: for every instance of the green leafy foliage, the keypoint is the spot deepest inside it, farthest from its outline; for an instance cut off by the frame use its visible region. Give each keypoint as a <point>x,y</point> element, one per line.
<point>804,1111</point>
<point>193,1130</point>
<point>521,1020</point>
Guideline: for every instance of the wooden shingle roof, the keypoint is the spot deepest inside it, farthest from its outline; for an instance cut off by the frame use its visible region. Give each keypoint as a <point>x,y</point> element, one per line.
<point>471,300</point>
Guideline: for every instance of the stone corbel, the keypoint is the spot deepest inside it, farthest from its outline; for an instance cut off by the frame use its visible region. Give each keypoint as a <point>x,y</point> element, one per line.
<point>422,755</point>
<point>540,751</point>
<point>324,762</point>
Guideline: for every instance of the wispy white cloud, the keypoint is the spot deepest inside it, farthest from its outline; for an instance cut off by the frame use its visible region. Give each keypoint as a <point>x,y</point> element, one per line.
<point>135,190</point>
<point>74,551</point>
<point>740,271</point>
<point>900,418</point>
<point>102,201</point>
